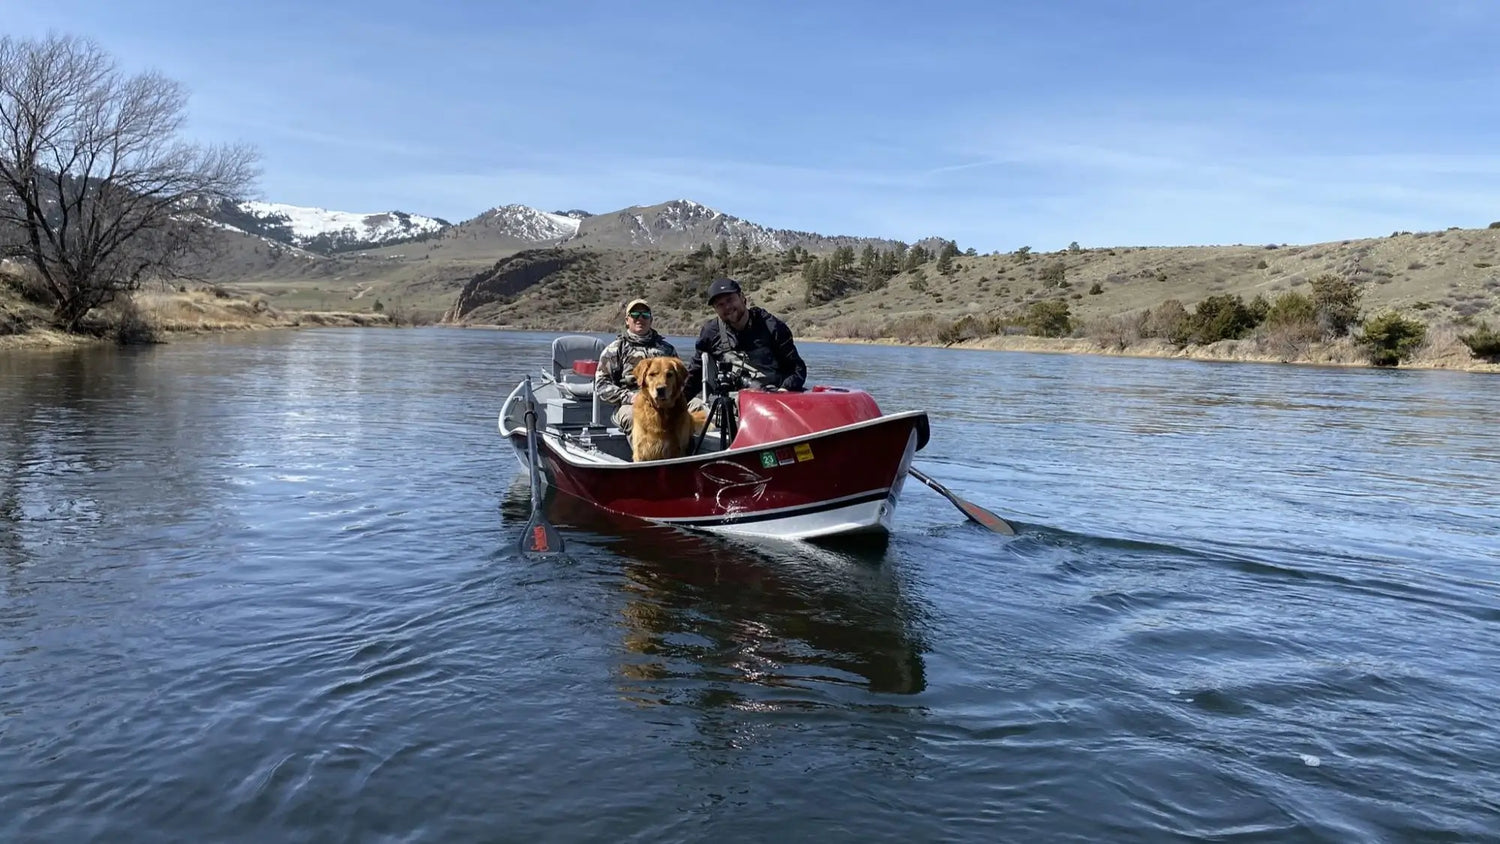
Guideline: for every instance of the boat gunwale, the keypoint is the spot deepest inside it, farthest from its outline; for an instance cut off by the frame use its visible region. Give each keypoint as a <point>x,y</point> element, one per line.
<point>547,436</point>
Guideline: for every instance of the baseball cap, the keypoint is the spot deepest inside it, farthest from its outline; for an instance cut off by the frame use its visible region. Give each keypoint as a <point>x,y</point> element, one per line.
<point>722,285</point>
<point>637,303</point>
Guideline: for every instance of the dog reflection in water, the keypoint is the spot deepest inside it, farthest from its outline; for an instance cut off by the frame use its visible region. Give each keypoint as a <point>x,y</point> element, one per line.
<point>727,622</point>
<point>795,617</point>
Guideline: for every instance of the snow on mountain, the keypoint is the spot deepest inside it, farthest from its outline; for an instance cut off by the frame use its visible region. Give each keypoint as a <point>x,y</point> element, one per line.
<point>326,230</point>
<point>527,223</point>
<point>681,224</point>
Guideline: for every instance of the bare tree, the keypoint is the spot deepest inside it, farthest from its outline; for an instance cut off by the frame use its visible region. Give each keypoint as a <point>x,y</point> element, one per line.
<point>97,191</point>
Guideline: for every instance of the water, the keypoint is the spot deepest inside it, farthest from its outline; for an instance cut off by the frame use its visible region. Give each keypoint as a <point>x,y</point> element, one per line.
<point>265,588</point>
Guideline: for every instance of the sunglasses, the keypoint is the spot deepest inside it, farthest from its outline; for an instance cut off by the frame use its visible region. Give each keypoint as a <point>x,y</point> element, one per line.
<point>640,314</point>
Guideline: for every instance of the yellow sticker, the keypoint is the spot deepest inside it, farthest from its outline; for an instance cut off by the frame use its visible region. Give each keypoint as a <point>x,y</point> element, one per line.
<point>804,452</point>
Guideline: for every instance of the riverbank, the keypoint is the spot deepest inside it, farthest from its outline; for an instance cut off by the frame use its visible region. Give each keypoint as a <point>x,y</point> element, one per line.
<point>1442,350</point>
<point>156,316</point>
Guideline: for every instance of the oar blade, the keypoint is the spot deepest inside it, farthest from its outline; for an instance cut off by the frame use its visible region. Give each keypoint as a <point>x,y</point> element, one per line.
<point>985,517</point>
<point>540,538</point>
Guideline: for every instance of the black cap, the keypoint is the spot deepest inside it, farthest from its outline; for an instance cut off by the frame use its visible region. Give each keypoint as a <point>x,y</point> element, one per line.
<point>722,285</point>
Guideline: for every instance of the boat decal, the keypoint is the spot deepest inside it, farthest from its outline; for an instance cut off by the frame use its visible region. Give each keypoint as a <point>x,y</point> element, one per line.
<point>804,452</point>
<point>739,486</point>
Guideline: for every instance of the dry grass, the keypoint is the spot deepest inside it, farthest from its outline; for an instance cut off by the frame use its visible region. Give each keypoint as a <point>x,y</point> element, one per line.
<point>217,310</point>
<point>149,315</point>
<point>1443,349</point>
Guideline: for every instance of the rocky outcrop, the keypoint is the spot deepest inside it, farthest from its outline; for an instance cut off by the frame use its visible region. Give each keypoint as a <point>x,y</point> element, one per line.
<point>510,277</point>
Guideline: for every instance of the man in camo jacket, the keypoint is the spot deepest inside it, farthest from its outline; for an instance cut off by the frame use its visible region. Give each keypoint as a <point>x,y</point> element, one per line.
<point>614,380</point>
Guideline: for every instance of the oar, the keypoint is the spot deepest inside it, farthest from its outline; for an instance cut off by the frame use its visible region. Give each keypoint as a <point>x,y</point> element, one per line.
<point>972,510</point>
<point>539,538</point>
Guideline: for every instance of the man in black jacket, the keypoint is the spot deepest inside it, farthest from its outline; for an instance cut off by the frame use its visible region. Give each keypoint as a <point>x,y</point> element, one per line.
<point>747,335</point>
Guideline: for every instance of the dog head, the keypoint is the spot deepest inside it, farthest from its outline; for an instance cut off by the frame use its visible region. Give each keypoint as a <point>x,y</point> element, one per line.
<point>661,379</point>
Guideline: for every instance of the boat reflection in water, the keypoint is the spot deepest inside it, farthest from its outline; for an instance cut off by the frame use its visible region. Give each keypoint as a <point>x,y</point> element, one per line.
<point>714,621</point>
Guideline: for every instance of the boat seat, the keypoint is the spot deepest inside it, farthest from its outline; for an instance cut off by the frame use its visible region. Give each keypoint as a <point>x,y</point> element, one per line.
<point>571,349</point>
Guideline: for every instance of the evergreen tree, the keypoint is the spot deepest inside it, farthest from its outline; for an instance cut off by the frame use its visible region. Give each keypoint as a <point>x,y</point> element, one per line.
<point>842,259</point>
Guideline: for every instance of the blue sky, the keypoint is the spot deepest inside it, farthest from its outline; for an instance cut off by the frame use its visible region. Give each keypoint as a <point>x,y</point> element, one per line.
<point>997,124</point>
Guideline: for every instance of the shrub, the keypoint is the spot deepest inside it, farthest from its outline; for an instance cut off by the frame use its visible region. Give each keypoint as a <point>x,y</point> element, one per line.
<point>1222,317</point>
<point>1337,301</point>
<point>1096,289</point>
<point>1169,321</point>
<point>919,280</point>
<point>1051,318</point>
<point>1290,341</point>
<point>1291,308</point>
<point>966,327</point>
<point>1483,342</point>
<point>1391,338</point>
<point>131,327</point>
<point>923,328</point>
<point>1054,274</point>
<point>1261,264</point>
<point>1118,332</point>
<point>1259,307</point>
<point>1495,225</point>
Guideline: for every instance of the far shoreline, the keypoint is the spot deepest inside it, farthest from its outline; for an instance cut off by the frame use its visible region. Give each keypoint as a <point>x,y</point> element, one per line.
<point>1341,354</point>
<point>39,338</point>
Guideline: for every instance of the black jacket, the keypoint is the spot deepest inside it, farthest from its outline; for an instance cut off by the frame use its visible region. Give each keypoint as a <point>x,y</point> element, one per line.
<point>765,343</point>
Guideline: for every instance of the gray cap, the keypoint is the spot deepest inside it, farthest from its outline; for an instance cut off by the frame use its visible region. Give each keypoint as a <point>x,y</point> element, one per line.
<point>722,285</point>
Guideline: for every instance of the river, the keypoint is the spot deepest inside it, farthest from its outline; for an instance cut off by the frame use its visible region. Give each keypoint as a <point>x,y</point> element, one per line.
<point>265,587</point>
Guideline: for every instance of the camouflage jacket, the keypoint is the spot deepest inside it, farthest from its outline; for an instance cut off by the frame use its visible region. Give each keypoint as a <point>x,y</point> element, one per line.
<point>614,381</point>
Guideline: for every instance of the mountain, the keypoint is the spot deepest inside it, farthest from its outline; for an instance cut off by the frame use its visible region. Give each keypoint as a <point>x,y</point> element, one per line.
<point>324,231</point>
<point>512,227</point>
<point>679,225</point>
<point>682,224</point>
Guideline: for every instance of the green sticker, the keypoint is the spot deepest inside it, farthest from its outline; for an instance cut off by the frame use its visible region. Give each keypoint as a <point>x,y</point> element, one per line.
<point>767,460</point>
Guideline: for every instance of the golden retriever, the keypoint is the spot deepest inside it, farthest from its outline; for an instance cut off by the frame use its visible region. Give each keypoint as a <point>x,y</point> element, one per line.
<point>661,425</point>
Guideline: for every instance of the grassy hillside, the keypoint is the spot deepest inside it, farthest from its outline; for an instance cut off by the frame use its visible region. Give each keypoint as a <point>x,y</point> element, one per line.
<point>1436,287</point>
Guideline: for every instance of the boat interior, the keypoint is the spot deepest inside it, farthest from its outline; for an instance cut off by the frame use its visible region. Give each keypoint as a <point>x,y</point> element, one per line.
<point>569,412</point>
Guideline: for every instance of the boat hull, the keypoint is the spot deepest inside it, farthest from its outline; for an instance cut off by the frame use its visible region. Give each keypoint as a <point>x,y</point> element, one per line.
<point>839,482</point>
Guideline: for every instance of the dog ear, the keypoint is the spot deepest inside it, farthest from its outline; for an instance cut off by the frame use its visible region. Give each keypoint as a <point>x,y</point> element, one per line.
<point>639,371</point>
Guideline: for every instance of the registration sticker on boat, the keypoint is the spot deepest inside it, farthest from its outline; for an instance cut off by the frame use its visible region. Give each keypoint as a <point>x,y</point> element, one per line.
<point>786,456</point>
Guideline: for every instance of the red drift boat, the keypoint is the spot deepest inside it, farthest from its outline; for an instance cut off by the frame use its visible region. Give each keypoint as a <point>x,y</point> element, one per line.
<point>805,465</point>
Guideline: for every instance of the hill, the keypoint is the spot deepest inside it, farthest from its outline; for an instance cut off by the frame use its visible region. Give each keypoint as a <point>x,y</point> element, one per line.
<point>1443,276</point>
